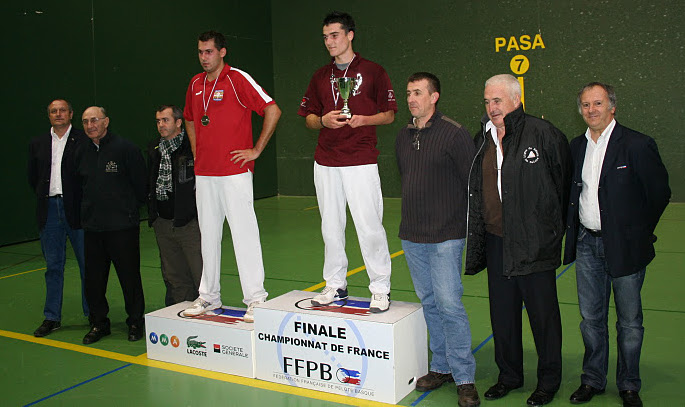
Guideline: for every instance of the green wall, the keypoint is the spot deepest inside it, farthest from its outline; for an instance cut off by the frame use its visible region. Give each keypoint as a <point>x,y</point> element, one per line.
<point>635,45</point>
<point>134,56</point>
<point>131,58</point>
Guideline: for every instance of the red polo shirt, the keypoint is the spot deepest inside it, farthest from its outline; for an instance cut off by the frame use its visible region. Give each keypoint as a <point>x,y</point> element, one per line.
<point>231,103</point>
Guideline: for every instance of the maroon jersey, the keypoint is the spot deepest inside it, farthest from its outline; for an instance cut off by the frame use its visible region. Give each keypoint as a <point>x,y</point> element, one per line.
<point>372,94</point>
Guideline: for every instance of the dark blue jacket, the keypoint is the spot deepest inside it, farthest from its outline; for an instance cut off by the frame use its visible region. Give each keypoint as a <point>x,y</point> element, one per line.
<point>633,193</point>
<point>40,167</point>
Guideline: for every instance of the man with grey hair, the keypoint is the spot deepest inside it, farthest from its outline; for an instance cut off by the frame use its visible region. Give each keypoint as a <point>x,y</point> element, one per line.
<point>518,192</point>
<point>52,176</point>
<point>619,191</point>
<point>114,188</point>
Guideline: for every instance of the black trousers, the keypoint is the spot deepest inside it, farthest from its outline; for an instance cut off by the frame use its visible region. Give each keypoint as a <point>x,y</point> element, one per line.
<point>507,295</point>
<point>121,247</point>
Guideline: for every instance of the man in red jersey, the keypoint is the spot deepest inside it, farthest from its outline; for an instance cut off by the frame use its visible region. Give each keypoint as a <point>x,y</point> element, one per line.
<point>218,115</point>
<point>345,168</point>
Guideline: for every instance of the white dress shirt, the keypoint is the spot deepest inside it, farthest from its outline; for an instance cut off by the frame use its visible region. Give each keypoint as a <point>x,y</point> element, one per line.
<point>489,127</point>
<point>592,168</point>
<point>58,145</point>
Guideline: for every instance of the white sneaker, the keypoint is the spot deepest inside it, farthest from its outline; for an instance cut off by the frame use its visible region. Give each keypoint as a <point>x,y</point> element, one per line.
<point>249,314</point>
<point>379,303</point>
<point>199,307</point>
<point>329,295</point>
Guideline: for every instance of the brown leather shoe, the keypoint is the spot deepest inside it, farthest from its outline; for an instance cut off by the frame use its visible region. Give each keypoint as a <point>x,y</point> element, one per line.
<point>468,395</point>
<point>432,381</point>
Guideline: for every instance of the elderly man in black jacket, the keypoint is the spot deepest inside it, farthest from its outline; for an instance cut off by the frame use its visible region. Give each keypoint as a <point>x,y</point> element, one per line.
<point>518,192</point>
<point>619,191</point>
<point>114,188</point>
<point>171,206</point>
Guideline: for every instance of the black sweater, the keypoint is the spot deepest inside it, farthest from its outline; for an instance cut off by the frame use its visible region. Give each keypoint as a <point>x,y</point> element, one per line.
<point>434,180</point>
<point>114,184</point>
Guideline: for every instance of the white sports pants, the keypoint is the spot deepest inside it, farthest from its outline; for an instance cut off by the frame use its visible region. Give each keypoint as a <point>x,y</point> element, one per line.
<point>360,188</point>
<point>229,198</point>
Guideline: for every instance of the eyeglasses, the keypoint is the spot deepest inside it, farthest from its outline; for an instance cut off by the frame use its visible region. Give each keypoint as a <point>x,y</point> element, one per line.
<point>416,143</point>
<point>92,120</point>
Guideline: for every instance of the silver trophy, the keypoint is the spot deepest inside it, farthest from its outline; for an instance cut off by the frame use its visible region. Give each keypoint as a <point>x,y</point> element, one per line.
<point>345,86</point>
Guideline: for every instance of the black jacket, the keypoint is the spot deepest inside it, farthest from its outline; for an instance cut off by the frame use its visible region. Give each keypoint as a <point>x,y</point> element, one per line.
<point>114,184</point>
<point>183,177</point>
<point>633,193</point>
<point>536,174</point>
<point>40,167</point>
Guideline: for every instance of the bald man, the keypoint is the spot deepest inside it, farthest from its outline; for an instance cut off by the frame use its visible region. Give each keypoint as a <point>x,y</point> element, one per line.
<point>114,188</point>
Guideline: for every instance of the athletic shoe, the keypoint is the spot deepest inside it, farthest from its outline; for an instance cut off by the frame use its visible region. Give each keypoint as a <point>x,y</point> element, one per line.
<point>329,295</point>
<point>249,314</point>
<point>199,307</point>
<point>379,303</point>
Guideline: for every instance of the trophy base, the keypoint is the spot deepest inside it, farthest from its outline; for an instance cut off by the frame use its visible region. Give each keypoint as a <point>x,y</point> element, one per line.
<point>347,114</point>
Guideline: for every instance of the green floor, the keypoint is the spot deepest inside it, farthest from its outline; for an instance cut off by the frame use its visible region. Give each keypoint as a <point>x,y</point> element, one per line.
<point>62,372</point>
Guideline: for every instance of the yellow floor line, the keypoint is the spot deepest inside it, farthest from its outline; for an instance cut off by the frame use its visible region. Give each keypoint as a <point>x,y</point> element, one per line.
<point>310,208</point>
<point>142,360</point>
<point>349,273</point>
<point>23,272</point>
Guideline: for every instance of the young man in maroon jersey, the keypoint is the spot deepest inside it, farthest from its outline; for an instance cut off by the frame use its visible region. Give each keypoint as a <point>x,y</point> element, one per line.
<point>345,168</point>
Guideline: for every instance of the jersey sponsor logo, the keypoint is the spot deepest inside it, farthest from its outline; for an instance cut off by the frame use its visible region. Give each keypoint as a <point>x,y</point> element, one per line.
<point>218,95</point>
<point>531,155</point>
<point>391,95</point>
<point>357,85</point>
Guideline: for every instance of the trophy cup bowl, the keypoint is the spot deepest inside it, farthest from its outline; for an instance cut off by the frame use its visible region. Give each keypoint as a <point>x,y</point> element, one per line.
<point>345,86</point>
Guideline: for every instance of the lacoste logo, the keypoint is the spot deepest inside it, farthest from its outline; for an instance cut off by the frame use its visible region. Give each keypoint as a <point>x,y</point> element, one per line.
<point>192,343</point>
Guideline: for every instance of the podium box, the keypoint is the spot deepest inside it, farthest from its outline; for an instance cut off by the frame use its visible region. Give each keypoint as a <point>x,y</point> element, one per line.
<point>341,348</point>
<point>218,341</point>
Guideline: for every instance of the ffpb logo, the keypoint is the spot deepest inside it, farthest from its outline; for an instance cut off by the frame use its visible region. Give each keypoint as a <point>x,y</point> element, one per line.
<point>347,376</point>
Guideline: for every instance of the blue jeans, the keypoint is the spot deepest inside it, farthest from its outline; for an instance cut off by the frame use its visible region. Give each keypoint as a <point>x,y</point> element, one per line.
<point>435,269</point>
<point>594,289</point>
<point>53,242</point>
